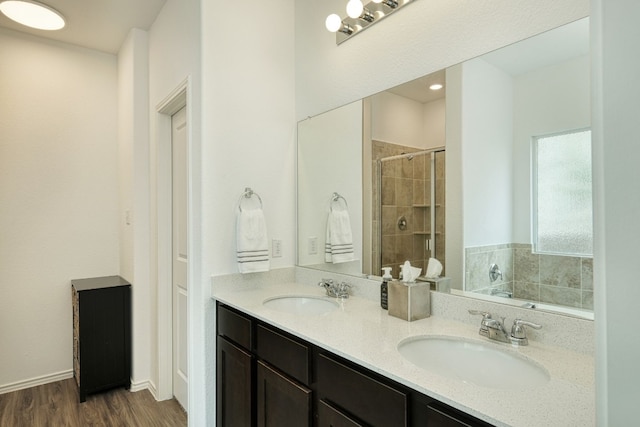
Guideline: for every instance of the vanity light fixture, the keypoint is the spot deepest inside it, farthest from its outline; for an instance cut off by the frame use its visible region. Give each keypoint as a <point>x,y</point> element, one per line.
<point>32,14</point>
<point>360,16</point>
<point>335,24</point>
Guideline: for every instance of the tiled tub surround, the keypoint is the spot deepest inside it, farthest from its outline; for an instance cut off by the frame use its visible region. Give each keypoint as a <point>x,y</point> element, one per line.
<point>552,279</point>
<point>365,334</point>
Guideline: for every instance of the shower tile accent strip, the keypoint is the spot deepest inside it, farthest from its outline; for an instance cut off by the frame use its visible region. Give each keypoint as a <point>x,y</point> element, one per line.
<point>553,279</point>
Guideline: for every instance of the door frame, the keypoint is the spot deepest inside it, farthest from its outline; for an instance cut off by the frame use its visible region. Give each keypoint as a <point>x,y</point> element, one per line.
<point>172,103</point>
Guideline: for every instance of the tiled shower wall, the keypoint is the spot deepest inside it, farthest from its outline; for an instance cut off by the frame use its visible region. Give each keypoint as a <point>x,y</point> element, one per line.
<point>553,279</point>
<point>406,191</point>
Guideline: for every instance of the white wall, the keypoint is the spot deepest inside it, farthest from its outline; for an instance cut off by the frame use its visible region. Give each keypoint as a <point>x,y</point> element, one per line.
<point>397,120</point>
<point>403,121</point>
<point>133,150</point>
<point>58,192</point>
<point>616,200</point>
<point>487,150</point>
<point>434,123</point>
<point>425,37</point>
<point>549,100</point>
<point>174,58</point>
<point>248,140</point>
<point>321,172</point>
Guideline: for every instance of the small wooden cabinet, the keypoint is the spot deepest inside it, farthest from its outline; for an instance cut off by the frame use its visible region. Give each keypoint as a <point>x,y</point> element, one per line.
<point>101,334</point>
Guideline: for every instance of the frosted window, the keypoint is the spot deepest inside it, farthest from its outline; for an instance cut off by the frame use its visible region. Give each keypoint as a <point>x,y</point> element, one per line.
<point>562,215</point>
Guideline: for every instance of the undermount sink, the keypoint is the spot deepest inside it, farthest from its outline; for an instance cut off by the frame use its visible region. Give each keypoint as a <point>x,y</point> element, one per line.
<point>473,362</point>
<point>306,305</point>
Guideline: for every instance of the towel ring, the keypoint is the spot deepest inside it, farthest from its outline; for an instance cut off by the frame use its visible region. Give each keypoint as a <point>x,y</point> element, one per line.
<point>248,194</point>
<point>335,198</point>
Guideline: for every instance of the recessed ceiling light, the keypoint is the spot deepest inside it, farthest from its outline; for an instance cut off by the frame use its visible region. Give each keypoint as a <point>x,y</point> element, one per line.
<point>32,14</point>
<point>435,86</point>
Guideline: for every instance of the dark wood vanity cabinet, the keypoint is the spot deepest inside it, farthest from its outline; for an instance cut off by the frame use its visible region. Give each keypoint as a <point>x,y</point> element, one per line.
<point>262,375</point>
<point>101,333</point>
<point>234,386</point>
<point>359,394</point>
<point>281,401</point>
<point>269,378</point>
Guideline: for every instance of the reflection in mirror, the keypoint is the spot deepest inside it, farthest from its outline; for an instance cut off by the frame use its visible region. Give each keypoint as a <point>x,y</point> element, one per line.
<point>330,161</point>
<point>496,106</point>
<point>532,91</point>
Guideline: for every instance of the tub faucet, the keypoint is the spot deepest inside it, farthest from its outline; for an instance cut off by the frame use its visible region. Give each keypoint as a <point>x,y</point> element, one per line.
<point>335,290</point>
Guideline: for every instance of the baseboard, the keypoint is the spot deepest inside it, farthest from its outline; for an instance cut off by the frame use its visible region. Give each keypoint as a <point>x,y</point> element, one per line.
<point>145,385</point>
<point>59,376</point>
<point>33,382</point>
<point>139,386</point>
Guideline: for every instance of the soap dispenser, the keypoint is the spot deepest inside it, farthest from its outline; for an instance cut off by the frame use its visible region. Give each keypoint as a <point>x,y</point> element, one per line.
<point>384,288</point>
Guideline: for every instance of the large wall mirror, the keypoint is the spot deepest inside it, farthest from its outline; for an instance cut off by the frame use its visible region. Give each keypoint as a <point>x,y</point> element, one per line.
<point>489,174</point>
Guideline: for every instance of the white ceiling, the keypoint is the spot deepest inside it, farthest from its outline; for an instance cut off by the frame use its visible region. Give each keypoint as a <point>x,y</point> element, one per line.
<point>418,89</point>
<point>96,24</point>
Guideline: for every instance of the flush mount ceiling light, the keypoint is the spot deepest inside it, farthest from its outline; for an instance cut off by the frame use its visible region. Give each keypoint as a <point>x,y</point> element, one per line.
<point>32,14</point>
<point>361,16</point>
<point>436,86</point>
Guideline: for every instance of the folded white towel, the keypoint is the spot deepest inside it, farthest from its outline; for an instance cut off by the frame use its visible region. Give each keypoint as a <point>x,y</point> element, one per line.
<point>251,241</point>
<point>434,268</point>
<point>339,242</point>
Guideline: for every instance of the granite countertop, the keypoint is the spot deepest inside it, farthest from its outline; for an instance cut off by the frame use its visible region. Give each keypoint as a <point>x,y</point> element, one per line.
<point>360,331</point>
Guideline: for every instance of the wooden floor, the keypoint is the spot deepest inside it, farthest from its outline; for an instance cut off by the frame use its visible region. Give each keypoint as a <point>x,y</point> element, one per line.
<point>57,404</point>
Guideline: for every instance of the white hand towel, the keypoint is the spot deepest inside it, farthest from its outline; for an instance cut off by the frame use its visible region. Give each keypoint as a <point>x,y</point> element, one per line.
<point>434,268</point>
<point>338,246</point>
<point>252,242</point>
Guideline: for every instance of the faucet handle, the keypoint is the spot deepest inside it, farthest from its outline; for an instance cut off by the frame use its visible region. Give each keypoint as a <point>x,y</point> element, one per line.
<point>519,333</point>
<point>325,282</point>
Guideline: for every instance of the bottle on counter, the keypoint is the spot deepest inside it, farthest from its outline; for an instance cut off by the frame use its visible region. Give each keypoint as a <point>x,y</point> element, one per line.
<point>384,288</point>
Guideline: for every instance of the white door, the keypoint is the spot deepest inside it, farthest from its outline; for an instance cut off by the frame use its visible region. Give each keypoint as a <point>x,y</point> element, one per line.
<point>179,254</point>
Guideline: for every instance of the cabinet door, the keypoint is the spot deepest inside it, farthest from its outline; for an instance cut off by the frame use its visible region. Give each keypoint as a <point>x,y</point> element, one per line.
<point>328,416</point>
<point>234,385</point>
<point>104,346</point>
<point>281,401</point>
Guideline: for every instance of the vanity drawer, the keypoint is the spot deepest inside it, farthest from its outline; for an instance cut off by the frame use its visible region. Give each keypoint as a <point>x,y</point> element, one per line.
<point>448,417</point>
<point>234,326</point>
<point>287,354</point>
<point>362,396</point>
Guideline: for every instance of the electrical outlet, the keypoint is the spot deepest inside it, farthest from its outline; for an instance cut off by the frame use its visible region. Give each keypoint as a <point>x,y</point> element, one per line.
<point>276,248</point>
<point>313,245</point>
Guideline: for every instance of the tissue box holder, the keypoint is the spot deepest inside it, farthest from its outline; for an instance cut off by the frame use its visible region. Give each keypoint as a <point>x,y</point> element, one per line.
<point>410,301</point>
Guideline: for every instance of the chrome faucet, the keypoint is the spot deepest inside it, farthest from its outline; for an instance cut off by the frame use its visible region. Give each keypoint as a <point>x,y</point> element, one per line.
<point>490,327</point>
<point>519,333</point>
<point>335,290</point>
<point>494,329</point>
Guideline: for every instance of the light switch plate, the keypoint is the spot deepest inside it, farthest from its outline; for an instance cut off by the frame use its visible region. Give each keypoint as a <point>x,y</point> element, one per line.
<point>276,248</point>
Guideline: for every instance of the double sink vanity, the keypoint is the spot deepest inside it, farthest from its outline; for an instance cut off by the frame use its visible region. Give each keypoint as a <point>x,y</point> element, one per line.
<point>287,353</point>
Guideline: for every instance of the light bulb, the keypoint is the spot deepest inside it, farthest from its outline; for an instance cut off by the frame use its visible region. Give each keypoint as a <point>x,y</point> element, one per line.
<point>333,23</point>
<point>355,8</point>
